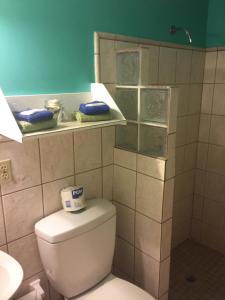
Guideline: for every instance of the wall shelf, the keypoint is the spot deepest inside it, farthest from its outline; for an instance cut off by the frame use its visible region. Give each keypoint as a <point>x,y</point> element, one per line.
<point>72,127</point>
<point>10,129</point>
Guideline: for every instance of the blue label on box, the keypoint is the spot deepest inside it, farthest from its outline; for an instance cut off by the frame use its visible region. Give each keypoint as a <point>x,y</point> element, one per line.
<point>77,193</point>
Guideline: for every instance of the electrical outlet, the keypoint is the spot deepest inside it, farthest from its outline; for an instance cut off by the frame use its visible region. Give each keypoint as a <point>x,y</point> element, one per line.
<point>5,171</point>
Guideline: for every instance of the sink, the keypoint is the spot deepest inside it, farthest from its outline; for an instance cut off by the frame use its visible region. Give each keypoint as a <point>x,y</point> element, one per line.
<point>11,276</point>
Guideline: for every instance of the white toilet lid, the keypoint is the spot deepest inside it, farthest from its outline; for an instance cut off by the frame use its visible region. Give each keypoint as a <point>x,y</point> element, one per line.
<point>115,288</point>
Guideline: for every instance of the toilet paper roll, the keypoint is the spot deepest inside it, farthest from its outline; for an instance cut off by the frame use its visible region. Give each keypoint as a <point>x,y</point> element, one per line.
<point>73,198</point>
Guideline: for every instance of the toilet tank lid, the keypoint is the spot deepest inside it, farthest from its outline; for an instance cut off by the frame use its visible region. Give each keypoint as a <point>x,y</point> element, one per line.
<point>62,225</point>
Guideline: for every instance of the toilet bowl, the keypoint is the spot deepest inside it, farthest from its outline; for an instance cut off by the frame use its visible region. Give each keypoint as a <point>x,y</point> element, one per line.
<point>77,251</point>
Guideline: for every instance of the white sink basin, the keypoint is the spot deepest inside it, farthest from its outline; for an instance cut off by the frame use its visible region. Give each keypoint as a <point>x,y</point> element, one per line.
<point>11,276</point>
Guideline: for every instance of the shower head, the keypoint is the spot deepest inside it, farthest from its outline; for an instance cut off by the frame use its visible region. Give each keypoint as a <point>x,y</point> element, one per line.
<point>174,29</point>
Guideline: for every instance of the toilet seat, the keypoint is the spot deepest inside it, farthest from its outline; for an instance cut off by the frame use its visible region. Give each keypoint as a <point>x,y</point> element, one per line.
<point>115,288</point>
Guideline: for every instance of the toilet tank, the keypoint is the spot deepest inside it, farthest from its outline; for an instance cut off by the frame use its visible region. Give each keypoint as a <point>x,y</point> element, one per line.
<point>77,249</point>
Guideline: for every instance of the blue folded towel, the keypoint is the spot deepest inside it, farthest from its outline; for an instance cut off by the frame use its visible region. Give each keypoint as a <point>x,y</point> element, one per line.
<point>34,115</point>
<point>94,108</point>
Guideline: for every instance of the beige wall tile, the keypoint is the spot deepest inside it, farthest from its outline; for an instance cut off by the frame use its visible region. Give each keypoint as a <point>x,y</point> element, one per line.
<point>164,297</point>
<point>164,276</point>
<point>171,145</point>
<point>168,199</point>
<point>213,238</point>
<point>166,236</point>
<point>180,232</point>
<point>190,156</point>
<point>184,185</point>
<point>200,182</point>
<point>210,66</point>
<point>106,45</point>
<point>151,166</point>
<point>183,68</point>
<point>108,143</point>
<point>25,164</point>
<point>215,187</point>
<point>149,196</point>
<point>170,168</point>
<point>167,65</point>
<point>217,130</point>
<point>181,134</point>
<point>51,194</point>
<point>192,128</point>
<point>179,159</point>
<point>125,222</point>
<point>196,230</point>
<point>107,61</point>
<point>182,209</point>
<point>220,67</point>
<point>56,157</point>
<point>120,274</point>
<point>87,148</point>
<point>216,162</point>
<point>124,186</point>
<point>119,45</point>
<point>2,225</point>
<point>92,183</point>
<point>125,159</point>
<point>213,213</point>
<point>153,64</point>
<point>124,257</point>
<point>197,66</point>
<point>202,156</point>
<point>25,250</point>
<point>204,128</point>
<point>183,99</point>
<point>22,210</point>
<point>198,203</point>
<point>107,182</point>
<point>144,241</point>
<point>4,248</point>
<point>147,272</point>
<point>218,107</point>
<point>195,99</point>
<point>207,98</point>
<point>149,238</point>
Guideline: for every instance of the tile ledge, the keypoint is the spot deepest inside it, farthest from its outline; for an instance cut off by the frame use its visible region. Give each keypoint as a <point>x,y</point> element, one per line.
<point>73,126</point>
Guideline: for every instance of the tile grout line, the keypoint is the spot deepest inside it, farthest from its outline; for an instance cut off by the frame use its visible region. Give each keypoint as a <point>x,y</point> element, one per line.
<point>40,168</point>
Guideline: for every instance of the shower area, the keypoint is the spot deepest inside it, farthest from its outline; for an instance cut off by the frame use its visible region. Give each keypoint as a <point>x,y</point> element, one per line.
<point>185,141</point>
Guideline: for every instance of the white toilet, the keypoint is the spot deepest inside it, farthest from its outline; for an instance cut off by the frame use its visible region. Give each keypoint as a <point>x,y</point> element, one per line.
<point>77,249</point>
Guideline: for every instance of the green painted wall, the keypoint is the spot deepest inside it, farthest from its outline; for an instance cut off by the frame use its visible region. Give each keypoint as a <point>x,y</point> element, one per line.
<point>216,24</point>
<point>47,45</point>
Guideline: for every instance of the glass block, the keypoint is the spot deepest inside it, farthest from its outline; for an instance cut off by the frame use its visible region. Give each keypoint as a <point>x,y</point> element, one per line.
<point>127,136</point>
<point>127,68</point>
<point>153,141</point>
<point>127,101</point>
<point>154,105</point>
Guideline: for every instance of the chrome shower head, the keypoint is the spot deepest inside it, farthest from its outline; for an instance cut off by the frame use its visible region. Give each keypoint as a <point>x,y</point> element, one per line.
<point>174,29</point>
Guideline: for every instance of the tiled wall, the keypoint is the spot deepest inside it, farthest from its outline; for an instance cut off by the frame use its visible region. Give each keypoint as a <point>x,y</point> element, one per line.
<point>183,68</point>
<point>137,224</point>
<point>40,168</point>
<point>208,224</point>
<point>143,195</point>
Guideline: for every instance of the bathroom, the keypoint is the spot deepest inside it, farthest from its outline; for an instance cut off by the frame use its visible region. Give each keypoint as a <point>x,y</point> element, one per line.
<point>55,49</point>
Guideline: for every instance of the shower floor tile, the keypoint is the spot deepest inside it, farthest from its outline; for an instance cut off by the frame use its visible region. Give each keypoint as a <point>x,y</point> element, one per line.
<point>197,273</point>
